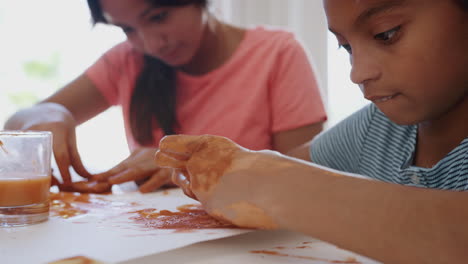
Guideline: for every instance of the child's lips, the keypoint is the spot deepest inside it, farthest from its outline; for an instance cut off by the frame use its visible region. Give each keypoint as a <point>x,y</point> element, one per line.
<point>170,55</point>
<point>380,98</point>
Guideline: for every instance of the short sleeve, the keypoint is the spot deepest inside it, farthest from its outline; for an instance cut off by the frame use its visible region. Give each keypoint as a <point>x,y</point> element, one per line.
<point>295,96</point>
<point>340,147</point>
<point>109,70</point>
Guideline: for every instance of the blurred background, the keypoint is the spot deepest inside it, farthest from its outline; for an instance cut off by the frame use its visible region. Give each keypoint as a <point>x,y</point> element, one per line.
<point>45,44</point>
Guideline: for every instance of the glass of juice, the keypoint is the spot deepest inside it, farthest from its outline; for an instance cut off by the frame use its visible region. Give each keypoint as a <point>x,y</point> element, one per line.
<point>25,176</point>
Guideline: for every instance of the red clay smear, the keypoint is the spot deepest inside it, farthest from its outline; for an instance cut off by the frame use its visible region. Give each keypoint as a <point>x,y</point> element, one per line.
<point>187,217</point>
<point>77,260</point>
<point>276,253</point>
<point>68,204</point>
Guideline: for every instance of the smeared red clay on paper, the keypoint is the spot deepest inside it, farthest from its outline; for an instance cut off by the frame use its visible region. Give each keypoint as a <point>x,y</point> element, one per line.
<point>302,247</point>
<point>187,217</point>
<point>349,260</point>
<point>76,260</point>
<point>67,205</point>
<point>2,147</point>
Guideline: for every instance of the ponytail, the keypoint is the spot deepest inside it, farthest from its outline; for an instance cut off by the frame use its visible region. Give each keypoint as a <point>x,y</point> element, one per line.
<point>153,103</point>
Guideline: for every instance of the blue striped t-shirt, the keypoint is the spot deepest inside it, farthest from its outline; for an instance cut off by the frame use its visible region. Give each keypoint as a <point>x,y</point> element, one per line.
<point>369,144</point>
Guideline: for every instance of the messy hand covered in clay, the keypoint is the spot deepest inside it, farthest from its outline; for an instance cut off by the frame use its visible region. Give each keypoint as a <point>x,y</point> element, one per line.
<point>85,186</point>
<point>138,167</point>
<point>58,120</point>
<point>211,170</point>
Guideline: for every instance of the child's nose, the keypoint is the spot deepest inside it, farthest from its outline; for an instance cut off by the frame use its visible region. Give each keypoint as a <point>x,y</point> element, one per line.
<point>364,67</point>
<point>153,43</point>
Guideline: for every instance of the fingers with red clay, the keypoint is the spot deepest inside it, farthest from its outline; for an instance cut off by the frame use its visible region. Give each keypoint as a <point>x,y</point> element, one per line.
<point>104,176</point>
<point>181,179</point>
<point>165,160</point>
<point>86,187</point>
<point>128,175</point>
<point>179,146</point>
<point>156,181</point>
<point>75,158</point>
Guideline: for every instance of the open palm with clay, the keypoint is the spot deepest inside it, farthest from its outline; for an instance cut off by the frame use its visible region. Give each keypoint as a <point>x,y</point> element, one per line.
<point>216,171</point>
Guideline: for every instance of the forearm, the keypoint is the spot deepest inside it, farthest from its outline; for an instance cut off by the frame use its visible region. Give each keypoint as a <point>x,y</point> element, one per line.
<point>43,112</point>
<point>287,141</point>
<point>301,152</point>
<point>388,222</point>
<point>391,223</point>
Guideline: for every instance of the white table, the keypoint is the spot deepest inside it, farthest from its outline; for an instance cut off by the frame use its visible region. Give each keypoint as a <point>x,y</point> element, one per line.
<point>109,234</point>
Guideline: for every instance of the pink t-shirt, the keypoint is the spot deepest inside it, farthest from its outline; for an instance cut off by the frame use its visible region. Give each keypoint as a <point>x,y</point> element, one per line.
<point>267,86</point>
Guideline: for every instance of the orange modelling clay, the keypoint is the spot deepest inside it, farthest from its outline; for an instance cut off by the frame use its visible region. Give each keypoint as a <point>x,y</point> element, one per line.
<point>187,217</point>
<point>350,260</point>
<point>3,147</point>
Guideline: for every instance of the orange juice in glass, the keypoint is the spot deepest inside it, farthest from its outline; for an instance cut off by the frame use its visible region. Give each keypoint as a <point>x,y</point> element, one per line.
<point>25,160</point>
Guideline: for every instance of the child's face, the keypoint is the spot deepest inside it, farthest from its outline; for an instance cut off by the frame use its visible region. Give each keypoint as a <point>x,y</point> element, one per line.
<point>409,57</point>
<point>172,34</point>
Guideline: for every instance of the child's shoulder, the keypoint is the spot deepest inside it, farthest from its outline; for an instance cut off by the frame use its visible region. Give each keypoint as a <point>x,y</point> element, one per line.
<point>122,47</point>
<point>271,31</point>
<point>272,36</point>
<point>370,121</point>
<point>123,53</point>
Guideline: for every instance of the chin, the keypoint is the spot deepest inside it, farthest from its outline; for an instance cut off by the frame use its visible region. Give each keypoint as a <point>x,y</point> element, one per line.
<point>180,60</point>
<point>403,122</point>
<point>178,63</point>
<point>402,119</point>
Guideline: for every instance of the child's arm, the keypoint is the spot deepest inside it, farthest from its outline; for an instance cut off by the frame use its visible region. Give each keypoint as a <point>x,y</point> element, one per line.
<point>72,105</point>
<point>289,140</point>
<point>301,152</point>
<point>388,222</point>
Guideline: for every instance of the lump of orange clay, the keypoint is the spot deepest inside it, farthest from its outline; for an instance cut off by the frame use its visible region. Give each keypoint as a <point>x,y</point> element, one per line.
<point>77,260</point>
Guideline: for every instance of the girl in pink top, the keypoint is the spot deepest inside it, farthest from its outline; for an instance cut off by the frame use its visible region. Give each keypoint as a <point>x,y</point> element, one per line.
<point>183,71</point>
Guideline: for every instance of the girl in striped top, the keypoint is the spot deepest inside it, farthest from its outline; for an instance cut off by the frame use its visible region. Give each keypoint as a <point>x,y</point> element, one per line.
<point>391,179</point>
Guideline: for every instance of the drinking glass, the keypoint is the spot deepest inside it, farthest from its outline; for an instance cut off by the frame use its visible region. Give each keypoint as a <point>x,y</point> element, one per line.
<point>25,176</point>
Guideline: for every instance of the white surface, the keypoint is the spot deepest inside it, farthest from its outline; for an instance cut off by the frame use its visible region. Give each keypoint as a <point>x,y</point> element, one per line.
<point>298,247</point>
<point>109,234</point>
<point>110,237</point>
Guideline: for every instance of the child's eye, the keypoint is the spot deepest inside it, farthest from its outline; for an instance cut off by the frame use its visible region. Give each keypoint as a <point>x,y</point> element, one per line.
<point>159,18</point>
<point>388,36</point>
<point>127,30</point>
<point>347,47</point>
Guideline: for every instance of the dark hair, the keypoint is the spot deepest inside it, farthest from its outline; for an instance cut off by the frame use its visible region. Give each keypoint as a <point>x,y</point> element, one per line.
<point>463,4</point>
<point>153,101</point>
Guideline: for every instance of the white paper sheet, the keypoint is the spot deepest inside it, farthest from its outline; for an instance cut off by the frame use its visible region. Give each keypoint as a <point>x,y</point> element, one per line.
<point>109,237</point>
<point>259,247</point>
